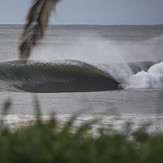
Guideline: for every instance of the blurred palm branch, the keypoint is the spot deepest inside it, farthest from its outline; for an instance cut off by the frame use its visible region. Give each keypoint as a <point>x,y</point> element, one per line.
<point>34,29</point>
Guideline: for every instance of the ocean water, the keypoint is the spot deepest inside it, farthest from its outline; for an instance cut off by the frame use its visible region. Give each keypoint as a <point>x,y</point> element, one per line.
<point>131,57</point>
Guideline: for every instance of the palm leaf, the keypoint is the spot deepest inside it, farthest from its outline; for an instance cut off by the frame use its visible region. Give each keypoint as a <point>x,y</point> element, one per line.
<point>34,29</point>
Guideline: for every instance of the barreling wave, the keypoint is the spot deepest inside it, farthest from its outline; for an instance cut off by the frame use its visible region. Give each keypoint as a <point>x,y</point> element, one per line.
<point>77,76</point>
<point>58,76</point>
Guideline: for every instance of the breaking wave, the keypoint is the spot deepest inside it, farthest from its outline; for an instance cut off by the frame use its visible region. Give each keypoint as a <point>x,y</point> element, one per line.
<point>58,76</point>
<point>77,76</point>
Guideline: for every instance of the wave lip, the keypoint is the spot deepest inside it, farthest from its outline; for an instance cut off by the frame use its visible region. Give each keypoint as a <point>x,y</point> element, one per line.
<point>58,76</point>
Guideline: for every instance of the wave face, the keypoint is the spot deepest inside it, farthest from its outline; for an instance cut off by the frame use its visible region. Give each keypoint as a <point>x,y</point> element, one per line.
<point>77,76</point>
<point>59,76</point>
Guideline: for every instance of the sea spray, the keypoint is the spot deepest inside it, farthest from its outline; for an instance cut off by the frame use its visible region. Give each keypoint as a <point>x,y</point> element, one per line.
<point>121,72</point>
<point>93,48</point>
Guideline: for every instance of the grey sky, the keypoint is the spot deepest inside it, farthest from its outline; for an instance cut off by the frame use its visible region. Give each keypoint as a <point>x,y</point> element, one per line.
<point>107,12</point>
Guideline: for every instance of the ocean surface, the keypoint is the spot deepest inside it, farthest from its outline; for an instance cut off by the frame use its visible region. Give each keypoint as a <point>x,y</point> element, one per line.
<point>114,73</point>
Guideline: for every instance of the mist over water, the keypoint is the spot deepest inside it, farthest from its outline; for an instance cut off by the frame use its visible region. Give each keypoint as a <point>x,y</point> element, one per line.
<point>101,50</point>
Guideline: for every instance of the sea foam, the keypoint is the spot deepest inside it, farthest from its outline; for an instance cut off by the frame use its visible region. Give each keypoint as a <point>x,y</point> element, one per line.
<point>152,79</point>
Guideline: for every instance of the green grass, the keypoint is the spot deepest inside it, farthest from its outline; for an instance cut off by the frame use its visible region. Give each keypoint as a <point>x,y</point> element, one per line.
<point>51,142</point>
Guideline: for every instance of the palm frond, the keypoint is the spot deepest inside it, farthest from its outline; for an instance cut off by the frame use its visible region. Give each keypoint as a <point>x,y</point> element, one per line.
<point>34,29</point>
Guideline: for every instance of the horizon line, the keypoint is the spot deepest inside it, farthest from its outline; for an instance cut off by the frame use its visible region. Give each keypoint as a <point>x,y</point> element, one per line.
<point>90,24</point>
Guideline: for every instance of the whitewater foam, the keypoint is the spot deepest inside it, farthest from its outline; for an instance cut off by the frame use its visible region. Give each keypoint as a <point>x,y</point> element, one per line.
<point>16,121</point>
<point>152,79</point>
<point>143,75</point>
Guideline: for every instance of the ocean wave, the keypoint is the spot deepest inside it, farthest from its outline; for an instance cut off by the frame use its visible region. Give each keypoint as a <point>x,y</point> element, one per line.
<point>78,76</point>
<point>57,76</point>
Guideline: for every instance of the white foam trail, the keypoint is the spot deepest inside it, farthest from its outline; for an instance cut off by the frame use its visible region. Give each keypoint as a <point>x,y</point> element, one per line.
<point>152,79</point>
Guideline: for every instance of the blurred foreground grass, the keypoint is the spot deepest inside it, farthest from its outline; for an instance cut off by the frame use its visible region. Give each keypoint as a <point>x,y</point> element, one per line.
<point>51,142</point>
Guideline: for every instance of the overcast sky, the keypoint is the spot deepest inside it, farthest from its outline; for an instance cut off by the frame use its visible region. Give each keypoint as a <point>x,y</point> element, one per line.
<point>100,12</point>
